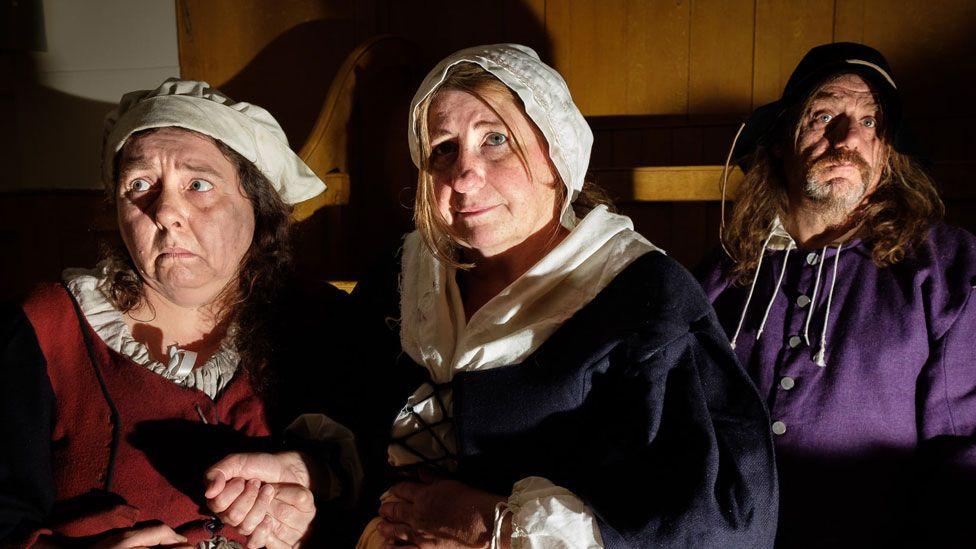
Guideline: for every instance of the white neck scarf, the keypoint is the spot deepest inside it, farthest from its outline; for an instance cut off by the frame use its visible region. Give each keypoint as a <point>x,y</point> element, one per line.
<point>507,329</point>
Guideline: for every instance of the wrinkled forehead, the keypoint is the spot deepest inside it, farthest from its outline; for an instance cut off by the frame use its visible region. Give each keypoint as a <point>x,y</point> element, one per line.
<point>453,105</point>
<point>844,89</point>
<point>453,109</point>
<point>191,149</point>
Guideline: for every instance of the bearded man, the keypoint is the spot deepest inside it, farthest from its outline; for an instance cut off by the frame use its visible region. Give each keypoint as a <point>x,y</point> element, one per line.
<point>850,304</point>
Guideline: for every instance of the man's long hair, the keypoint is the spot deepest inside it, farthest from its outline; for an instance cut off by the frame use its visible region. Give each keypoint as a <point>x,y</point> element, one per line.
<point>894,218</point>
<point>249,304</point>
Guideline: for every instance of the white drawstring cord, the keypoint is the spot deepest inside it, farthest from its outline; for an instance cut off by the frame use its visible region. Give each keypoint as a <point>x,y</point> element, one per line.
<point>813,298</point>
<point>772,299</point>
<point>752,288</point>
<point>819,357</point>
<point>725,182</point>
<point>501,509</point>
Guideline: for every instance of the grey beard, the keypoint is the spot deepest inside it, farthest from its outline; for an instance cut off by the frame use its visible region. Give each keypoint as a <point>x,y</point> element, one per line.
<point>832,207</point>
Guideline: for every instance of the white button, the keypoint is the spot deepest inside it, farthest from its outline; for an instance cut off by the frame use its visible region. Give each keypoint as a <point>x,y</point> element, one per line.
<point>803,301</point>
<point>787,383</point>
<point>795,341</point>
<point>812,258</point>
<point>779,427</point>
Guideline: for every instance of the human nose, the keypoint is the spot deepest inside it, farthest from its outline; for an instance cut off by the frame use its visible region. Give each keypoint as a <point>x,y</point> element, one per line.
<point>170,208</point>
<point>468,174</point>
<point>846,133</point>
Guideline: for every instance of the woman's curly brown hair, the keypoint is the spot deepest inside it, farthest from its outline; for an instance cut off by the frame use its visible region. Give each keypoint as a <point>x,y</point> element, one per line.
<point>248,305</point>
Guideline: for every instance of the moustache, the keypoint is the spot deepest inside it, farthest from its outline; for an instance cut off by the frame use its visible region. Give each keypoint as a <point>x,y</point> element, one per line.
<point>834,157</point>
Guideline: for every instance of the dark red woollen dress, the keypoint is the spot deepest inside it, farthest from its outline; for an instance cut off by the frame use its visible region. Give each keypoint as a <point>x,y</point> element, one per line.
<point>91,441</point>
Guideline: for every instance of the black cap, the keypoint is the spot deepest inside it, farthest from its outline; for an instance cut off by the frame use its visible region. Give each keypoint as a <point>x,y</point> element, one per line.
<point>816,66</point>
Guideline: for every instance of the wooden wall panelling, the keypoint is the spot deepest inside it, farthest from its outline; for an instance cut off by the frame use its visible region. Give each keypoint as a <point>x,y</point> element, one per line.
<point>656,147</point>
<point>622,56</point>
<point>441,27</point>
<point>280,55</point>
<point>44,232</point>
<point>849,20</point>
<point>785,31</point>
<point>721,51</point>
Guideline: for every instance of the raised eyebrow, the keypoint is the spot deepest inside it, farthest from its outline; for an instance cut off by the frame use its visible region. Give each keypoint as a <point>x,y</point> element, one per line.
<point>199,169</point>
<point>135,163</point>
<point>488,123</point>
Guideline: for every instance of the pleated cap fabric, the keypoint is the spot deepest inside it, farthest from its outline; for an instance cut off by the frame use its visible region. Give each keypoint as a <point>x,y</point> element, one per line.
<point>547,102</point>
<point>248,129</point>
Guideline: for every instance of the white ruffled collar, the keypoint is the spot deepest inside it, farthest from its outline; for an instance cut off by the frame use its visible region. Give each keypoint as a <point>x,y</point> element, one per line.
<point>109,324</point>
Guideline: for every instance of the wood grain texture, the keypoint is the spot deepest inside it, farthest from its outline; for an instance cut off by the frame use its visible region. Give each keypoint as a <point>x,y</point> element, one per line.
<point>785,31</point>
<point>668,183</point>
<point>721,51</point>
<point>622,56</point>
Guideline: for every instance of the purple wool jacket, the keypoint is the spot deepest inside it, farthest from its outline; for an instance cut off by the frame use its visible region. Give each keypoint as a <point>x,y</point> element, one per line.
<point>876,442</point>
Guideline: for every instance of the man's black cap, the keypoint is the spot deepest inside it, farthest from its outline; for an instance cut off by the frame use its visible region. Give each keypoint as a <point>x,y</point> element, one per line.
<point>816,66</point>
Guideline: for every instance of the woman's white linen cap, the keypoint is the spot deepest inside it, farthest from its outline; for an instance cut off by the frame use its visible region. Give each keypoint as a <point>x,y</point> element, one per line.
<point>246,128</point>
<point>547,102</point>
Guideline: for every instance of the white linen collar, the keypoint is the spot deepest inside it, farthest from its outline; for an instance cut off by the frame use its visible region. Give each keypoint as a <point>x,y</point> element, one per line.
<point>517,321</point>
<point>109,325</point>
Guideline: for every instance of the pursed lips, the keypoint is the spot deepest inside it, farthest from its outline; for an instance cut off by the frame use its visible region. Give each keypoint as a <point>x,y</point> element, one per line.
<point>176,252</point>
<point>472,211</point>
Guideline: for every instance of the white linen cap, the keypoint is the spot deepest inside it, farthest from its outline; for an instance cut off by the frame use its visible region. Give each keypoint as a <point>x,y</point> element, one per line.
<point>246,128</point>
<point>547,102</point>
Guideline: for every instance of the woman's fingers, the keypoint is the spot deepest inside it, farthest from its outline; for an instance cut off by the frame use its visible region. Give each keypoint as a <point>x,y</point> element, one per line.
<point>297,496</point>
<point>397,511</point>
<point>393,531</point>
<point>261,535</point>
<point>216,480</point>
<point>224,499</point>
<point>149,536</point>
<point>293,510</point>
<point>236,511</point>
<point>408,491</point>
<point>257,512</point>
<point>275,543</point>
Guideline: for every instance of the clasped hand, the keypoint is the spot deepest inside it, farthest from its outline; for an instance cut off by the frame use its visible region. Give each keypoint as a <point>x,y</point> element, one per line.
<point>265,497</point>
<point>437,513</point>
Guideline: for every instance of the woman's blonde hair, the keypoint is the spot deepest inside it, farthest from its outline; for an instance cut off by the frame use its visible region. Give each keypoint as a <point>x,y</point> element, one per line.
<point>436,233</point>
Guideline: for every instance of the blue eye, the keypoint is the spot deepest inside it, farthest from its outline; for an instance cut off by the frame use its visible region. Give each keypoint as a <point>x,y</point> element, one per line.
<point>869,122</point>
<point>824,117</point>
<point>200,185</point>
<point>495,139</point>
<point>139,185</point>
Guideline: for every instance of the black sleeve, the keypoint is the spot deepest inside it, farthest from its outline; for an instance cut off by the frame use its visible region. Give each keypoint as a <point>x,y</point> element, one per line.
<point>688,438</point>
<point>701,473</point>
<point>27,409</point>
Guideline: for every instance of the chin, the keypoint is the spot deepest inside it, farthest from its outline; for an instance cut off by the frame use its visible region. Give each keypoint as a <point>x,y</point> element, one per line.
<point>191,297</point>
<point>188,290</point>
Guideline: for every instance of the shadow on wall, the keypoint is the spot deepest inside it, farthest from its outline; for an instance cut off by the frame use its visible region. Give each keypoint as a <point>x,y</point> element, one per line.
<point>291,76</point>
<point>49,140</point>
<point>55,137</point>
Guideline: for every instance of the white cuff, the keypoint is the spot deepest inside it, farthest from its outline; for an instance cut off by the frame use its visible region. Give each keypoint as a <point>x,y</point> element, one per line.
<point>321,428</point>
<point>546,516</point>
